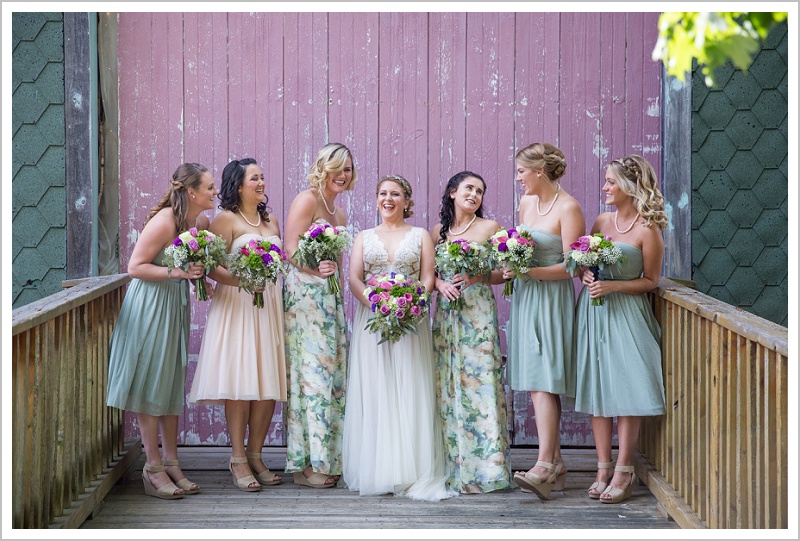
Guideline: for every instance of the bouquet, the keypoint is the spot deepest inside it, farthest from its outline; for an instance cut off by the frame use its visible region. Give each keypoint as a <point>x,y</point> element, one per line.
<point>398,304</point>
<point>513,248</point>
<point>322,242</point>
<point>196,246</point>
<point>596,252</point>
<point>462,256</point>
<point>258,262</point>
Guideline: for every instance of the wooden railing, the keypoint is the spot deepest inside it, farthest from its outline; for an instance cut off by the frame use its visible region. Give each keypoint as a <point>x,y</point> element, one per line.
<point>65,439</point>
<point>722,447</point>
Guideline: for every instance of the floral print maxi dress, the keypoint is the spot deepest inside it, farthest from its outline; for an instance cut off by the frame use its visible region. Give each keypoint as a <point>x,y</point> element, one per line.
<point>316,351</point>
<point>472,404</point>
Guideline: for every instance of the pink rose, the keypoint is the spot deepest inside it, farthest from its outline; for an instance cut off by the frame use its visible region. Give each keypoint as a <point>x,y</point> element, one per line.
<point>193,245</point>
<point>401,302</point>
<point>386,285</point>
<point>399,314</point>
<point>193,231</point>
<point>416,310</point>
<point>385,310</point>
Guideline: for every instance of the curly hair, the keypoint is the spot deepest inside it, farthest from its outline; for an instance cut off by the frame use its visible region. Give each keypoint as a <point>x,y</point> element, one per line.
<point>544,156</point>
<point>636,178</point>
<point>331,158</point>
<point>447,210</point>
<point>232,178</point>
<point>187,175</point>
<point>407,212</point>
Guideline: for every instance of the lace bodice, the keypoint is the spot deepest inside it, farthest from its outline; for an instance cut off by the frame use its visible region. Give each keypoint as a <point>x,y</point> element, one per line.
<point>406,257</point>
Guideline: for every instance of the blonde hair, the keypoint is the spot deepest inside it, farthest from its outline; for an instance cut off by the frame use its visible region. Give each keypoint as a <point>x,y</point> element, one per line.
<point>407,212</point>
<point>544,156</point>
<point>187,175</point>
<point>330,159</point>
<point>636,178</point>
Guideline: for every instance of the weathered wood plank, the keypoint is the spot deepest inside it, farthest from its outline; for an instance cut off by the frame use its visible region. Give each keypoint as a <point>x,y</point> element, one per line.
<point>28,316</point>
<point>80,112</point>
<point>290,506</point>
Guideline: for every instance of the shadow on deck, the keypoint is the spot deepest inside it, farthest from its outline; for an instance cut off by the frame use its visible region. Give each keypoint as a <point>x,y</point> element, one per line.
<point>220,505</point>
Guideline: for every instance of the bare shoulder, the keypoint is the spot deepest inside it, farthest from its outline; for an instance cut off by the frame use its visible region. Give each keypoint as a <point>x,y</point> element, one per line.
<point>489,226</point>
<point>305,201</point>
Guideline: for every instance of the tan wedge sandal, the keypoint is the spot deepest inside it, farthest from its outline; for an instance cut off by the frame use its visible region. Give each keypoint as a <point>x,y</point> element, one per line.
<point>188,487</point>
<point>599,486</point>
<point>537,485</point>
<point>620,495</point>
<point>166,492</point>
<point>243,483</point>
<point>266,477</point>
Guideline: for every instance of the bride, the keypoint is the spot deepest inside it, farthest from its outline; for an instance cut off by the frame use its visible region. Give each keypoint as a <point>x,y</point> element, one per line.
<point>392,442</point>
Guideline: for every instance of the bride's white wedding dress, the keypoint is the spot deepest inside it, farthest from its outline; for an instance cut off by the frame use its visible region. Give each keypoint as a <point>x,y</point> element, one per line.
<point>392,438</point>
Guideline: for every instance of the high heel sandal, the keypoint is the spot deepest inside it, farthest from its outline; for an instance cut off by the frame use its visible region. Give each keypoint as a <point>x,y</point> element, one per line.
<point>537,485</point>
<point>243,483</point>
<point>301,479</point>
<point>188,487</point>
<point>266,477</point>
<point>166,492</point>
<point>619,495</point>
<point>561,478</point>
<point>599,486</point>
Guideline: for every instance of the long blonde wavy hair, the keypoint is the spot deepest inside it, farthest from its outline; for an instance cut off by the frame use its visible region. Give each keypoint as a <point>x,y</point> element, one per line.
<point>636,178</point>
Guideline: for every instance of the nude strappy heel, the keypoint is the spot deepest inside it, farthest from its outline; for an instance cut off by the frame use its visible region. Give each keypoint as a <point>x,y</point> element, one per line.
<point>166,492</point>
<point>537,485</point>
<point>266,477</point>
<point>243,483</point>
<point>620,495</point>
<point>599,486</point>
<point>561,478</point>
<point>188,487</point>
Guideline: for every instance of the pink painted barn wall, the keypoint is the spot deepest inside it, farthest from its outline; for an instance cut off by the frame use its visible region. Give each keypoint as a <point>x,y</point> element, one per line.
<point>424,95</point>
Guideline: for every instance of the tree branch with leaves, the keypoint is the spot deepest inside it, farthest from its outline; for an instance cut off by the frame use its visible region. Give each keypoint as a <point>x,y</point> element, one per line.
<point>712,39</point>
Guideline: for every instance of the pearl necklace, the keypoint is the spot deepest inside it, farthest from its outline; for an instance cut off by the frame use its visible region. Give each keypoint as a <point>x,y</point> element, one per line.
<point>251,224</point>
<point>332,213</point>
<point>616,212</point>
<point>558,189</point>
<point>450,229</point>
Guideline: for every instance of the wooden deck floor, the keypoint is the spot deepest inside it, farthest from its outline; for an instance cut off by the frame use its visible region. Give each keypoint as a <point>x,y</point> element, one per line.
<point>220,505</point>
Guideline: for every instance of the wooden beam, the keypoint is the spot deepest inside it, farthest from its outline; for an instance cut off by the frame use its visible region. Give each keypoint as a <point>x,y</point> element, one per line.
<point>80,116</point>
<point>676,175</point>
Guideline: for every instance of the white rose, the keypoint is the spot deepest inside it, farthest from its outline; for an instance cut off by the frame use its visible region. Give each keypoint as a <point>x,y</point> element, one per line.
<point>329,232</point>
<point>185,237</point>
<point>399,277</point>
<point>512,242</point>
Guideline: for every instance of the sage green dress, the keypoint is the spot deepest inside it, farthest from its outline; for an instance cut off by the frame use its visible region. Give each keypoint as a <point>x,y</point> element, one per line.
<point>618,347</point>
<point>470,393</point>
<point>148,347</point>
<point>540,326</point>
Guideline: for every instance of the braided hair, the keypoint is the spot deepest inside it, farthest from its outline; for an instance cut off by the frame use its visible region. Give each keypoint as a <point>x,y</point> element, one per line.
<point>407,212</point>
<point>636,178</point>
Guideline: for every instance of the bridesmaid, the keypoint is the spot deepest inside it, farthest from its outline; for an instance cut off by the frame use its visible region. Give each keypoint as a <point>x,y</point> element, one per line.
<point>469,364</point>
<point>316,330</point>
<point>242,361</point>
<point>619,343</point>
<point>540,327</point>
<point>147,358</point>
